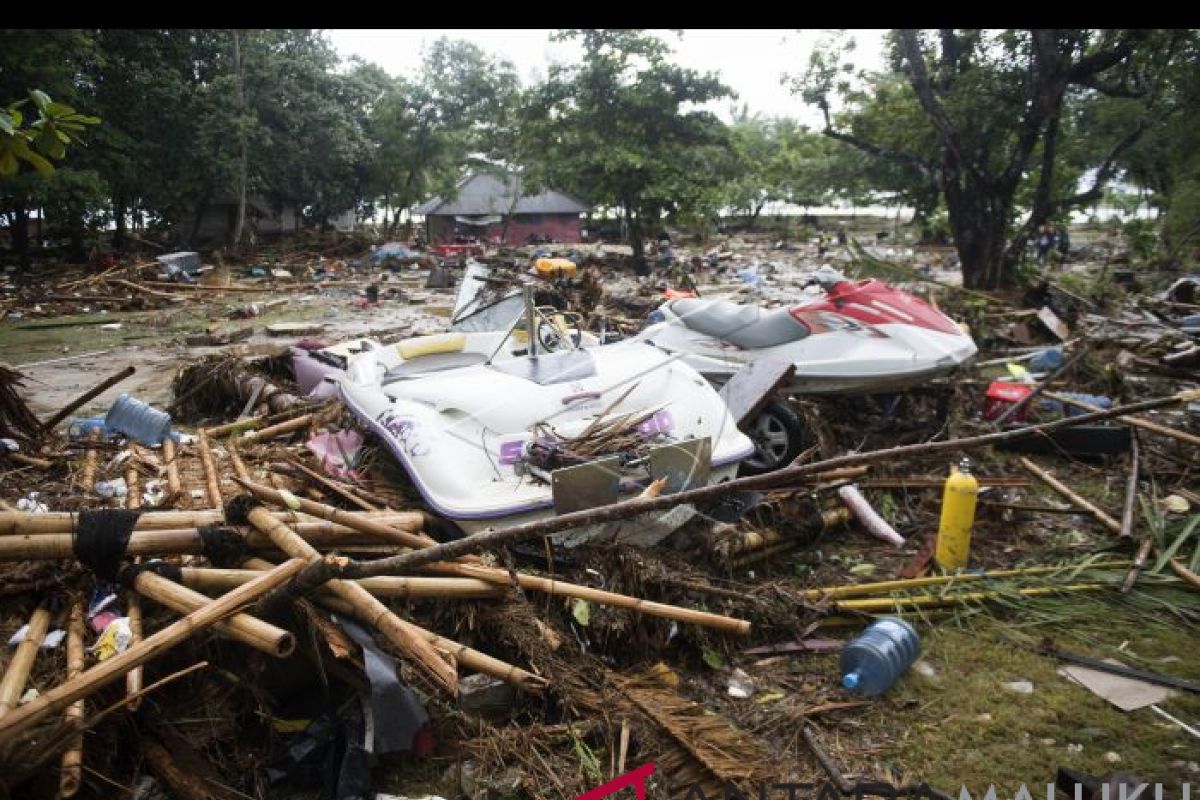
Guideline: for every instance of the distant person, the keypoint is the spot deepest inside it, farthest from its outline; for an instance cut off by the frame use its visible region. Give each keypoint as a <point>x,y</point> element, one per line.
<point>841,235</point>
<point>1062,242</point>
<point>1044,243</point>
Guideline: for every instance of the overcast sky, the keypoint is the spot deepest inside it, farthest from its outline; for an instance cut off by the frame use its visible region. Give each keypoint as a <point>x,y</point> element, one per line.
<point>750,62</point>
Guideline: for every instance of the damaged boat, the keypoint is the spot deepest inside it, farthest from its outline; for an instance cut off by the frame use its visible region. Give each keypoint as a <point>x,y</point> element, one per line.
<point>493,436</point>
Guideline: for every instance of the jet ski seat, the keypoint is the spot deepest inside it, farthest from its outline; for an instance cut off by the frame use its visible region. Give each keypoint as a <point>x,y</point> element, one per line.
<point>748,327</point>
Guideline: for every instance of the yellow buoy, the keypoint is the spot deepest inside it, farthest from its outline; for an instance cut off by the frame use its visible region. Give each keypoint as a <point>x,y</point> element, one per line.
<point>958,515</point>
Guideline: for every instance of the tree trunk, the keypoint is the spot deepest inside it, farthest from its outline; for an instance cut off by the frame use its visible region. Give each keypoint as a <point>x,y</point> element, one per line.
<point>754,217</point>
<point>240,222</point>
<point>19,230</point>
<point>980,224</point>
<point>119,211</point>
<point>634,225</point>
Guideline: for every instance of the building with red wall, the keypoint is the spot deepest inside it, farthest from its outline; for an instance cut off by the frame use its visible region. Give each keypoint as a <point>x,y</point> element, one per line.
<point>493,208</point>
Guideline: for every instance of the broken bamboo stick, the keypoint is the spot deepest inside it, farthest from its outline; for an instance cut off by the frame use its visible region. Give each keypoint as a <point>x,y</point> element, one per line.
<point>1065,491</point>
<point>134,679</point>
<point>291,426</point>
<point>243,627</point>
<point>13,684</point>
<point>207,579</point>
<point>543,527</point>
<point>466,656</point>
<point>884,587</point>
<point>876,525</point>
<point>1184,572</point>
<point>328,484</point>
<point>1137,422</point>
<point>871,605</point>
<point>170,455</point>
<point>87,477</point>
<point>406,535</point>
<point>71,773</point>
<point>239,466</point>
<point>57,699</point>
<point>183,541</point>
<point>212,484</point>
<point>503,577</point>
<point>1131,487</point>
<point>25,523</point>
<point>100,388</point>
<point>399,632</point>
<point>1139,563</point>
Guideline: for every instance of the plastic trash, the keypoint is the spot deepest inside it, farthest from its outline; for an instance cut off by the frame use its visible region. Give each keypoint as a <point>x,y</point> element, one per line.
<point>1047,360</point>
<point>31,504</point>
<point>137,420</point>
<point>114,488</point>
<point>873,661</point>
<point>181,265</point>
<point>116,639</point>
<point>81,428</point>
<point>1055,407</point>
<point>392,250</point>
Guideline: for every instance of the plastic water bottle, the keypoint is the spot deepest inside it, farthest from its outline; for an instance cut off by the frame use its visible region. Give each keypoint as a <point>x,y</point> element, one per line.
<point>873,661</point>
<point>1047,360</point>
<point>137,420</point>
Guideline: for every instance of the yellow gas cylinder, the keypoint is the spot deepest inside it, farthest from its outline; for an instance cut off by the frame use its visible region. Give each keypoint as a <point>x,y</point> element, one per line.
<point>958,515</point>
<point>554,267</point>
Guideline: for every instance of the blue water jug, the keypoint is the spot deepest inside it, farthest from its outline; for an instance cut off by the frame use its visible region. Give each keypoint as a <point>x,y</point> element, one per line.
<point>138,421</point>
<point>873,661</point>
<point>80,428</point>
<point>1047,360</point>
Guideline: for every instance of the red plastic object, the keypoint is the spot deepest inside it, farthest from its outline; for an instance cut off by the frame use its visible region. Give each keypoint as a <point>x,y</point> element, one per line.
<point>455,250</point>
<point>1002,394</point>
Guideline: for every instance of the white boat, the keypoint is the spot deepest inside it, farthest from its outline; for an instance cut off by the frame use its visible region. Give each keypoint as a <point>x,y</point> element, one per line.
<point>484,431</point>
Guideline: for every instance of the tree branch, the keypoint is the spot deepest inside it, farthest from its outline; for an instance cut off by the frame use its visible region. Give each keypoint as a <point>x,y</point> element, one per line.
<point>901,156</point>
<point>1106,170</point>
<point>919,78</point>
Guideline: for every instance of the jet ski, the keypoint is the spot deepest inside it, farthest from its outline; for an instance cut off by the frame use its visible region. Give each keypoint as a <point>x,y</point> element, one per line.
<point>846,337</point>
<point>853,337</point>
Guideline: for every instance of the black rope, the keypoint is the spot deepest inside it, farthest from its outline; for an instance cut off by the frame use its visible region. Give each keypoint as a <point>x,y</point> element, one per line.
<point>101,538</point>
<point>130,572</point>
<point>222,546</point>
<point>237,509</point>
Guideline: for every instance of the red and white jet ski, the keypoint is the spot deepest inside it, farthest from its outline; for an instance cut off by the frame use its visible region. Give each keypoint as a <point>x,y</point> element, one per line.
<point>847,337</point>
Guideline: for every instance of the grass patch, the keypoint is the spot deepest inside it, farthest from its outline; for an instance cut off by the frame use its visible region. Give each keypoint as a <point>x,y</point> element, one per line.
<point>966,728</point>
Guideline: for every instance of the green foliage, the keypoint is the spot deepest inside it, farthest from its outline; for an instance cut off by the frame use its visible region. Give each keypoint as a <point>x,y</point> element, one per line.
<point>615,129</point>
<point>41,137</point>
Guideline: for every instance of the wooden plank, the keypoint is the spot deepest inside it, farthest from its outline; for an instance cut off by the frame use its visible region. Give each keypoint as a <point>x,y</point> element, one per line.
<point>749,389</point>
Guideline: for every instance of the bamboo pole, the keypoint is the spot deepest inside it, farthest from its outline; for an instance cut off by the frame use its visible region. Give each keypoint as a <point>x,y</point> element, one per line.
<point>405,535</point>
<point>1139,562</point>
<point>134,679</point>
<point>71,774</point>
<point>243,627</point>
<point>211,482</point>
<point>468,657</point>
<point>328,484</point>
<point>87,477</point>
<point>876,604</point>
<point>57,699</point>
<point>184,541</point>
<point>1131,487</point>
<point>70,407</point>
<point>1066,492</point>
<point>25,523</point>
<point>399,632</point>
<point>1138,422</point>
<point>239,466</point>
<point>29,461</point>
<point>170,455</point>
<point>13,684</point>
<point>543,527</point>
<point>502,577</point>
<point>882,587</point>
<point>207,580</point>
<point>647,607</point>
<point>291,426</point>
<point>1184,572</point>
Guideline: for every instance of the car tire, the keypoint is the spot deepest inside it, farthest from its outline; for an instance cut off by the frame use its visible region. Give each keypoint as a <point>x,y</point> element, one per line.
<point>779,435</point>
